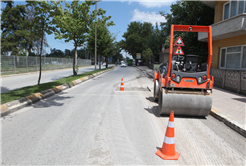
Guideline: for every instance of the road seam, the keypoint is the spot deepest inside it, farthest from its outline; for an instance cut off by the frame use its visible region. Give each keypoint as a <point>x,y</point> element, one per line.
<point>18,104</point>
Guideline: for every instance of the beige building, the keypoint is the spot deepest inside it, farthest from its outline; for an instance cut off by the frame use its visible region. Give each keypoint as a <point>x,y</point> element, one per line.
<point>164,54</point>
<point>229,34</point>
<point>229,44</point>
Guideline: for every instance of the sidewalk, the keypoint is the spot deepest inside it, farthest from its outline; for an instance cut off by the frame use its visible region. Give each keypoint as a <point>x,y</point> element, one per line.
<point>227,106</point>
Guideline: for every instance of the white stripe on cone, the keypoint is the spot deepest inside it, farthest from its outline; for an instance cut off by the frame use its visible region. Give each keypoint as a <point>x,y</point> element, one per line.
<point>170,124</point>
<point>169,140</point>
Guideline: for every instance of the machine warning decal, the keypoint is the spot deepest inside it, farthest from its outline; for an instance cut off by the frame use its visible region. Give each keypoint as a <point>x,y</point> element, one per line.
<point>179,42</point>
<point>179,51</point>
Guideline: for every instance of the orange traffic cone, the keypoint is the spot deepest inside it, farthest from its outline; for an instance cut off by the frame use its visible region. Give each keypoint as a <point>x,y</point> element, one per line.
<point>122,85</point>
<point>167,152</point>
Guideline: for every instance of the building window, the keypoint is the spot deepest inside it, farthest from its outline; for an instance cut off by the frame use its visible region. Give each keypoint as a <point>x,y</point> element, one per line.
<point>234,8</point>
<point>233,57</point>
<point>226,11</point>
<point>240,7</point>
<point>244,58</point>
<point>244,7</point>
<point>223,54</point>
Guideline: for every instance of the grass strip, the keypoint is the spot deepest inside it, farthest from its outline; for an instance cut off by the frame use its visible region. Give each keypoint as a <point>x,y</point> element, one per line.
<point>29,90</point>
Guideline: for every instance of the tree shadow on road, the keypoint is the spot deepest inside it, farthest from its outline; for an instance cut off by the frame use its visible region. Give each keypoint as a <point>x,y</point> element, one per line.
<point>240,99</point>
<point>4,89</point>
<point>55,100</point>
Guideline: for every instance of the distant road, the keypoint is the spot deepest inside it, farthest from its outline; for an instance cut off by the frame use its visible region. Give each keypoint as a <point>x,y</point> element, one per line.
<point>13,82</point>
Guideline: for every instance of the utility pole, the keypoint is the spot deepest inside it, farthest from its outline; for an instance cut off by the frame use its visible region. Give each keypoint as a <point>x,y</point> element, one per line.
<point>96,37</point>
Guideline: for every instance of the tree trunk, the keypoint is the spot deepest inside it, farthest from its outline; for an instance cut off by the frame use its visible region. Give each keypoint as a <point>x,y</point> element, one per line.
<point>147,62</point>
<point>100,61</point>
<point>75,59</point>
<point>106,58</point>
<point>40,63</point>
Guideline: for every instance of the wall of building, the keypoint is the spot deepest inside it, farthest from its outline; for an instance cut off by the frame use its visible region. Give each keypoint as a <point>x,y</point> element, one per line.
<point>218,12</point>
<point>232,80</point>
<point>163,57</point>
<point>217,44</point>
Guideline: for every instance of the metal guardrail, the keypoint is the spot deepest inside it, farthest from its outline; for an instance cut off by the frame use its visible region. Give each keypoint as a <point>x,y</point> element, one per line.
<point>24,64</point>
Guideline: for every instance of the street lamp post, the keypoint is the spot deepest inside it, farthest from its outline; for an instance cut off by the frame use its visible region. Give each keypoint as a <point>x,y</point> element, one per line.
<point>96,36</point>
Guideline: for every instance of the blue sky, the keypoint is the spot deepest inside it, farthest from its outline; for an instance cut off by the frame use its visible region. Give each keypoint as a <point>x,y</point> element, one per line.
<point>122,13</point>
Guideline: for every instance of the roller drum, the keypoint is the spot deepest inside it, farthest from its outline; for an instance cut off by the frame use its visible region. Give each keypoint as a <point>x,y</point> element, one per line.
<point>184,104</point>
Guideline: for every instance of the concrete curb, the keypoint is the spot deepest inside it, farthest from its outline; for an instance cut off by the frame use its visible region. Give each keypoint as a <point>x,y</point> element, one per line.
<point>225,119</point>
<point>16,105</point>
<point>229,122</point>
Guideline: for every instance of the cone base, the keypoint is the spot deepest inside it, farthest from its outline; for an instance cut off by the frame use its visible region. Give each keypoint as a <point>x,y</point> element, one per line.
<point>167,157</point>
<point>122,89</point>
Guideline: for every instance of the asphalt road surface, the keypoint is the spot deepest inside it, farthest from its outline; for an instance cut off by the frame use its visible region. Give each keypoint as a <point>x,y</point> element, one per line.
<point>95,123</point>
<point>13,82</point>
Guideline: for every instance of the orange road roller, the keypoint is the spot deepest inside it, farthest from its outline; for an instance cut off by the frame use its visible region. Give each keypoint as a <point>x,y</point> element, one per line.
<point>180,83</point>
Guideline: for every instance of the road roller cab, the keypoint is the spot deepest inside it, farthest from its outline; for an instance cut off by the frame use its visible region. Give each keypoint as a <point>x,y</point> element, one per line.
<point>186,86</point>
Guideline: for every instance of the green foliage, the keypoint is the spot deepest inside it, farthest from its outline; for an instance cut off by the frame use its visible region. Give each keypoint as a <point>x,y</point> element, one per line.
<point>117,56</point>
<point>74,23</point>
<point>189,13</point>
<point>155,41</point>
<point>105,45</point>
<point>67,52</point>
<point>42,23</point>
<point>56,53</point>
<point>147,54</point>
<point>43,12</point>
<point>14,32</point>
<point>136,37</point>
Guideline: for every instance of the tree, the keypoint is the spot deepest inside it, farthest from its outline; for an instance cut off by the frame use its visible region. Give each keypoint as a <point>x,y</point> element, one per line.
<point>74,22</point>
<point>42,23</point>
<point>117,56</point>
<point>136,37</point>
<point>189,13</point>
<point>56,53</point>
<point>67,52</point>
<point>13,28</point>
<point>31,38</point>
<point>105,40</point>
<point>111,48</point>
<point>155,41</point>
<point>147,53</point>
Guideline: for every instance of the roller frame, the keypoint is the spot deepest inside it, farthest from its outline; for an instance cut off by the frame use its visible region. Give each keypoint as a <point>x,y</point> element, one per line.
<point>185,104</point>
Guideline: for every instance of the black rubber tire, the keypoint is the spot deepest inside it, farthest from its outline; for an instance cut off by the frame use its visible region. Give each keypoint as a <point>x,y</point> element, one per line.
<point>160,101</point>
<point>156,90</point>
